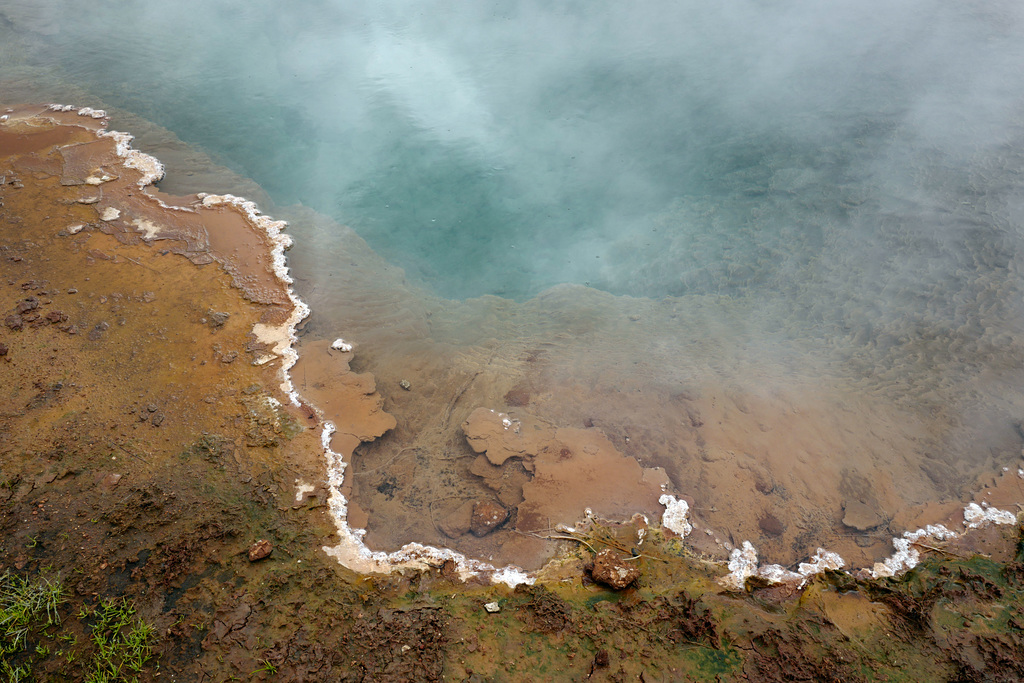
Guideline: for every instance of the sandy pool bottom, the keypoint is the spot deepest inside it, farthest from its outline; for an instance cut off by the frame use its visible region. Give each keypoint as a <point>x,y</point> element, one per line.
<point>771,434</point>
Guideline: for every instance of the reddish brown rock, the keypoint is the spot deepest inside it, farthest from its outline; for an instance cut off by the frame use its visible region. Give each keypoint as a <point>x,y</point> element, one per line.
<point>109,481</point>
<point>487,516</point>
<point>611,569</point>
<point>261,549</point>
<point>857,515</point>
<point>501,437</point>
<point>29,304</point>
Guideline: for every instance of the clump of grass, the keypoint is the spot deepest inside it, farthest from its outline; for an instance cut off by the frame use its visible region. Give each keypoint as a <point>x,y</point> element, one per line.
<point>120,643</point>
<point>24,606</point>
<point>268,667</point>
<point>15,674</point>
<point>23,602</point>
<point>123,641</point>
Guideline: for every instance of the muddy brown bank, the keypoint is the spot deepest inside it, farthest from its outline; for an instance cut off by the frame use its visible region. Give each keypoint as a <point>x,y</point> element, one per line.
<point>148,452</point>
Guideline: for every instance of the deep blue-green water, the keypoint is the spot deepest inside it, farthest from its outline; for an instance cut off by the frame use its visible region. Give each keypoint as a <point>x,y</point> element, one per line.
<point>502,147</point>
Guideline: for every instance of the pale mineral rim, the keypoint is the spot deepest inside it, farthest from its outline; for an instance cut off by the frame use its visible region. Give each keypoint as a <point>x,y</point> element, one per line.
<point>281,338</point>
<point>743,561</point>
<point>149,166</point>
<point>352,552</point>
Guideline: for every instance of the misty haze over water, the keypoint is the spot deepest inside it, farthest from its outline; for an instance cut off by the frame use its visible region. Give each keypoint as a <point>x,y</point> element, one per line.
<point>657,149</point>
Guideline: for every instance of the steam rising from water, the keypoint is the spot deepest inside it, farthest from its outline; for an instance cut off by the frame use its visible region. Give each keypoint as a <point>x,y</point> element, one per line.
<point>503,147</point>
<point>813,190</point>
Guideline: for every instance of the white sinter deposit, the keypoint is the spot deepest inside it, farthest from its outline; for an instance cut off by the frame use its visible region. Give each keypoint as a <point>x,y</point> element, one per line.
<point>676,515</point>
<point>281,338</point>
<point>743,561</point>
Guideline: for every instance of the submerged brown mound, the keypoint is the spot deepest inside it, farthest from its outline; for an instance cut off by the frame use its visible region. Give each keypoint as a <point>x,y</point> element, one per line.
<point>574,472</point>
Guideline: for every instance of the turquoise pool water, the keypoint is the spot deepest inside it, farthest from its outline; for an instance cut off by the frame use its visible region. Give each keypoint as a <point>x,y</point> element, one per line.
<point>503,147</point>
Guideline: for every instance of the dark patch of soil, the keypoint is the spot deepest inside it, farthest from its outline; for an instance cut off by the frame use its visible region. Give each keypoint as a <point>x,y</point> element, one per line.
<point>689,621</point>
<point>397,645</point>
<point>780,657</point>
<point>544,611</point>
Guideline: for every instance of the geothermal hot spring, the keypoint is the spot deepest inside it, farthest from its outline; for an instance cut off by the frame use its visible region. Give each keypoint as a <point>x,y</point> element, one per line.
<point>770,251</point>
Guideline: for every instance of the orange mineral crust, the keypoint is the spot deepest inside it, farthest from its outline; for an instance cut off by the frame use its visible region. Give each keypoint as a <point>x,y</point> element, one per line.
<point>106,325</point>
<point>115,182</point>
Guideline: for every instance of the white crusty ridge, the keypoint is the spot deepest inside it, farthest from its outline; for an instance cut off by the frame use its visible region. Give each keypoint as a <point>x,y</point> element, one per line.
<point>743,561</point>
<point>149,166</point>
<point>352,553</point>
<point>281,337</point>
<point>743,565</point>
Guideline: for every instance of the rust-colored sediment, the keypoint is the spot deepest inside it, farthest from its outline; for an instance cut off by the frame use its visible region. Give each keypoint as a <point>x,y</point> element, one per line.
<point>146,336</point>
<point>573,472</point>
<point>116,201</point>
